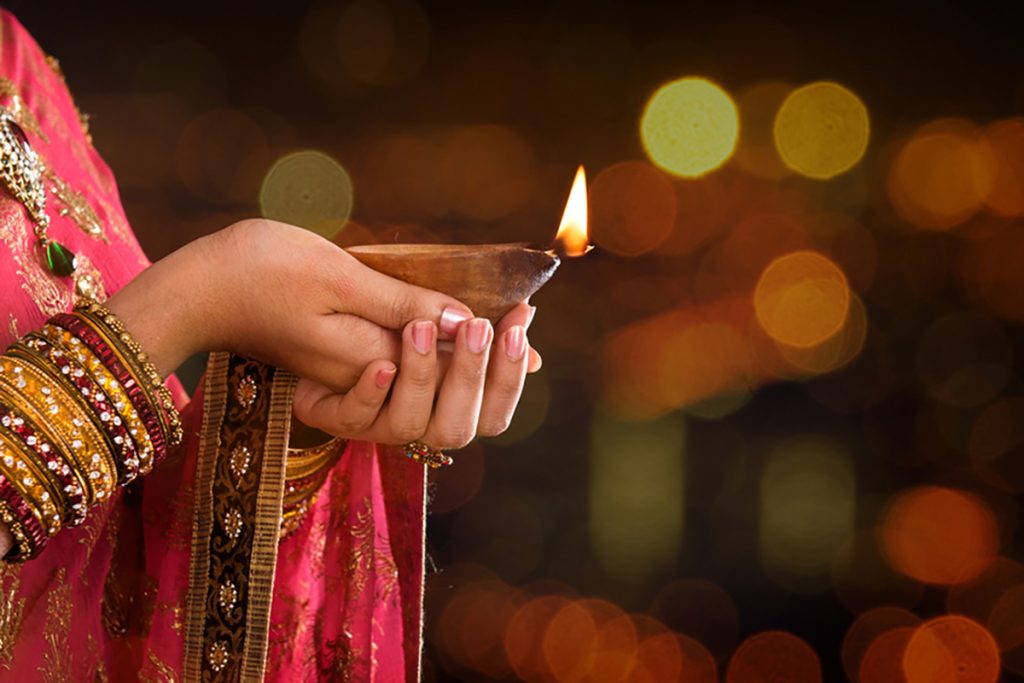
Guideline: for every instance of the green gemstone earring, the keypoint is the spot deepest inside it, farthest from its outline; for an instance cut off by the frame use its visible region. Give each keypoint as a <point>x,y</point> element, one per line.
<point>21,172</point>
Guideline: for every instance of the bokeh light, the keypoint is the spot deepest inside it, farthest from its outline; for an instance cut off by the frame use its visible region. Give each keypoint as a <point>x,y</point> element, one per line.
<point>976,598</point>
<point>689,127</point>
<point>942,175</point>
<point>1006,623</point>
<point>774,655</point>
<point>836,351</point>
<point>632,208</point>
<point>701,609</point>
<point>996,444</point>
<point>524,636</point>
<point>308,189</point>
<point>673,657</point>
<point>866,629</point>
<point>802,299</point>
<point>807,506</point>
<point>951,648</point>
<point>883,661</point>
<point>1006,140</point>
<point>939,535</point>
<point>636,493</point>
<point>821,130</point>
<point>486,171</point>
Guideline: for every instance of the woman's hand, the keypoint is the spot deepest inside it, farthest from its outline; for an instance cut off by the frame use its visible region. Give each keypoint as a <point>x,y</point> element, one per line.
<point>476,390</point>
<point>279,294</point>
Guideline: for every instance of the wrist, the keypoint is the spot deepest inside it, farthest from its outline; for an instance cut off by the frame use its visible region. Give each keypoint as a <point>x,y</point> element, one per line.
<point>167,308</point>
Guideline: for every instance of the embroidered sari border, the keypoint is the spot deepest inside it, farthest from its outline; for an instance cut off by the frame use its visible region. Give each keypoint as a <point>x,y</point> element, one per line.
<point>215,404</point>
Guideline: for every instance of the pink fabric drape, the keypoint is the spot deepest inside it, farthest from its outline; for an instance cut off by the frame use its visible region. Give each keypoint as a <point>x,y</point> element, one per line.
<point>108,600</point>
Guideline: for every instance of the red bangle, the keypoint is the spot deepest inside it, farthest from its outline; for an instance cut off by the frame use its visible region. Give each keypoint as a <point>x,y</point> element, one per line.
<point>119,439</point>
<point>108,356</point>
<point>23,513</point>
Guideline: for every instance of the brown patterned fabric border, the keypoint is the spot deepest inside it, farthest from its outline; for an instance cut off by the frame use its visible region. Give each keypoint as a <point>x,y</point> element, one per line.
<point>239,486</point>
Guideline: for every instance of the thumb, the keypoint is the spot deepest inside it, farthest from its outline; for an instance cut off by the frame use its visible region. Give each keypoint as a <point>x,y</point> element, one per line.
<point>393,304</point>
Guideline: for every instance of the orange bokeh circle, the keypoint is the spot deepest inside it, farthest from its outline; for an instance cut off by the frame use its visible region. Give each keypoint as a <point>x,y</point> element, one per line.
<point>942,175</point>
<point>632,208</point>
<point>951,649</point>
<point>939,536</point>
<point>802,299</point>
<point>866,628</point>
<point>883,661</point>
<point>774,656</point>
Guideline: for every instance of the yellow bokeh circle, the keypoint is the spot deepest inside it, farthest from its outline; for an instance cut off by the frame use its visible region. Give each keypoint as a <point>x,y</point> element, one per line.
<point>821,130</point>
<point>689,127</point>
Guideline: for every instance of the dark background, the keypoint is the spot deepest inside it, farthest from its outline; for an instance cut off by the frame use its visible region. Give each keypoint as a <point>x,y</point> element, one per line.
<point>570,80</point>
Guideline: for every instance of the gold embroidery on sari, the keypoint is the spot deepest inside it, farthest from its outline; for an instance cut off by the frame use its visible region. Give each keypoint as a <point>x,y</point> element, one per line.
<point>155,670</point>
<point>99,666</point>
<point>56,666</point>
<point>50,296</point>
<point>21,113</point>
<point>12,326</point>
<point>360,562</point>
<point>76,207</point>
<point>177,613</point>
<point>11,610</point>
<point>342,659</point>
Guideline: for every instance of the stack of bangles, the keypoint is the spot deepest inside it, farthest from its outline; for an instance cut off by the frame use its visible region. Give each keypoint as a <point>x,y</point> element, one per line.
<point>82,410</point>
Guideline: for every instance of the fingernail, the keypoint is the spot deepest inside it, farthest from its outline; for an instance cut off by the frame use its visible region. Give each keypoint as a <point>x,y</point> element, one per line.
<point>478,335</point>
<point>515,343</point>
<point>423,336</point>
<point>384,378</point>
<point>451,318</point>
<point>533,312</point>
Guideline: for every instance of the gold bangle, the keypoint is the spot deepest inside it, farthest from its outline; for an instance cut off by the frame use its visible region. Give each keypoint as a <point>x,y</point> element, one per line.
<point>67,422</point>
<point>106,381</point>
<point>30,446</point>
<point>22,544</point>
<point>121,341</point>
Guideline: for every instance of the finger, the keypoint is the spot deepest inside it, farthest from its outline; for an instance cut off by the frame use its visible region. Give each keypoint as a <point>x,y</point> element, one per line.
<point>348,414</point>
<point>390,302</point>
<point>506,374</point>
<point>521,314</point>
<point>408,412</point>
<point>340,346</point>
<point>458,403</point>
<point>535,363</point>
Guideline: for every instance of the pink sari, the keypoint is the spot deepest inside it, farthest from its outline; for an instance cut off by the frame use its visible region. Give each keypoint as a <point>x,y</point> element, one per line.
<point>183,576</point>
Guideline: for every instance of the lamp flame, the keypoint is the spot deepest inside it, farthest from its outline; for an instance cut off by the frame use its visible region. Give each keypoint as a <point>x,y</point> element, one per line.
<point>572,238</point>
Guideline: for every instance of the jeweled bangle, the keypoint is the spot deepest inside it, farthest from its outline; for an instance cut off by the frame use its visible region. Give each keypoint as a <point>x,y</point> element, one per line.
<point>96,401</point>
<point>22,507</point>
<point>24,547</point>
<point>32,486</point>
<point>139,398</point>
<point>139,359</point>
<point>19,428</point>
<point>112,389</point>
<point>66,420</point>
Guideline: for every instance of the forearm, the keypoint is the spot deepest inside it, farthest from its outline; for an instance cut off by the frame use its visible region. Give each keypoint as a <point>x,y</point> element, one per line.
<point>82,408</point>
